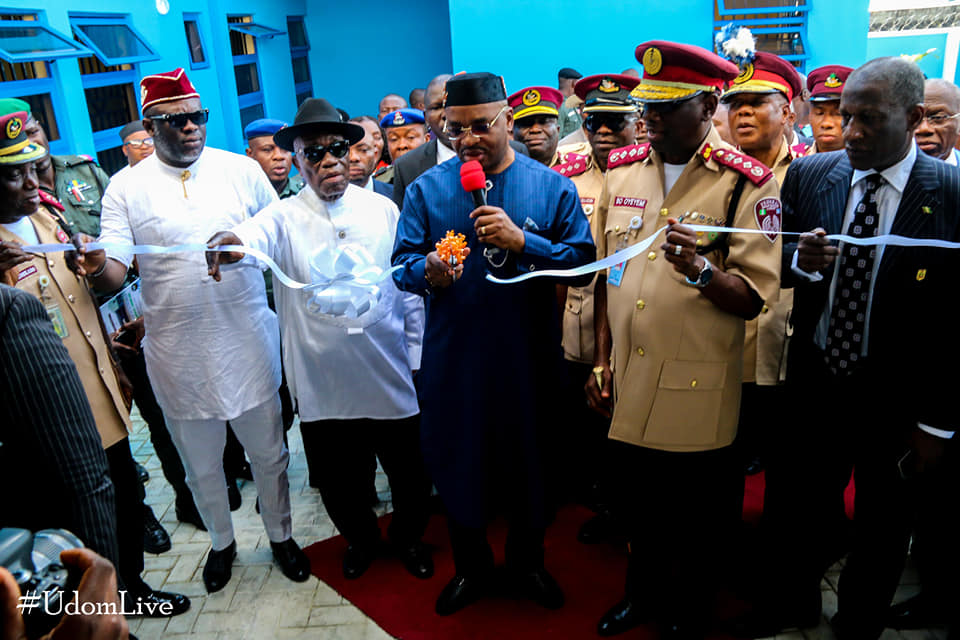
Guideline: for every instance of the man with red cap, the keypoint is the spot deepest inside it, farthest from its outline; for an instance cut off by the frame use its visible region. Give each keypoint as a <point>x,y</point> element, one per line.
<point>611,122</point>
<point>212,350</point>
<point>669,333</point>
<point>759,101</point>
<point>535,113</point>
<point>825,85</point>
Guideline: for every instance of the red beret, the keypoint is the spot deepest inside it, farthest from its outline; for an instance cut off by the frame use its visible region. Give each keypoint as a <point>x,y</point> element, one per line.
<point>166,87</point>
<point>673,71</point>
<point>536,100</point>
<point>826,83</point>
<point>768,73</point>
<point>606,92</point>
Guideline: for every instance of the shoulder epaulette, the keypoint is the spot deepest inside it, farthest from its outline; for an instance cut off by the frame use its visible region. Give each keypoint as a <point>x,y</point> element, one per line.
<point>626,155</point>
<point>800,149</point>
<point>757,172</point>
<point>575,165</point>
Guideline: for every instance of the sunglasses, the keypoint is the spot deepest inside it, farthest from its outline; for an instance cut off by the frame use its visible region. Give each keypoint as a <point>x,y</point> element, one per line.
<point>315,154</point>
<point>478,129</point>
<point>614,122</point>
<point>136,144</point>
<point>179,120</point>
<point>663,108</point>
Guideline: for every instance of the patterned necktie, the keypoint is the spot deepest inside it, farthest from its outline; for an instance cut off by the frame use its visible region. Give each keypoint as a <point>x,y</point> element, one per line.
<point>848,317</point>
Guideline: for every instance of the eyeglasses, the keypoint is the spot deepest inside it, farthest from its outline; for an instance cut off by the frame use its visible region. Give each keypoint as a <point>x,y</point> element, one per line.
<point>663,108</point>
<point>136,144</point>
<point>613,121</point>
<point>179,120</point>
<point>478,129</point>
<point>315,154</point>
<point>529,121</point>
<point>940,119</point>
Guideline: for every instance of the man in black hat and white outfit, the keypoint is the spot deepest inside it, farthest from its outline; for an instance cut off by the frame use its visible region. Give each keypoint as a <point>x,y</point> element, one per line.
<point>350,372</point>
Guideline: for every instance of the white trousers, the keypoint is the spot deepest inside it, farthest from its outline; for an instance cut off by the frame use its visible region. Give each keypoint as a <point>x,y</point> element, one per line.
<point>201,443</point>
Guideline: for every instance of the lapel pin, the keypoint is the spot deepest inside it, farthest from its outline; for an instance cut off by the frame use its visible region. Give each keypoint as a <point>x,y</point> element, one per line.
<point>921,274</point>
<point>927,210</point>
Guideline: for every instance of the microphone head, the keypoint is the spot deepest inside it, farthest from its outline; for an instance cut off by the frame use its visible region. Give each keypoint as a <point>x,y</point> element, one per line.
<point>472,176</point>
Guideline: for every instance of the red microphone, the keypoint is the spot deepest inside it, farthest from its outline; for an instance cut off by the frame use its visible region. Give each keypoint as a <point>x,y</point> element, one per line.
<point>474,181</point>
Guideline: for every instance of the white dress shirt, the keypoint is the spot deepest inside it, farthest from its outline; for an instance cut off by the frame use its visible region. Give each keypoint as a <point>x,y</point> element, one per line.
<point>211,348</point>
<point>337,367</point>
<point>444,153</point>
<point>953,158</point>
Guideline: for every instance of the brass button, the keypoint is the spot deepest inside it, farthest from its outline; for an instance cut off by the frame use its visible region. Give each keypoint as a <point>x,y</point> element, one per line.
<point>693,383</point>
<point>71,298</point>
<point>87,333</point>
<point>664,212</point>
<point>101,370</point>
<point>342,235</point>
<point>652,255</point>
<point>640,351</point>
<point>50,262</point>
<point>641,304</point>
<point>765,309</point>
<point>616,228</point>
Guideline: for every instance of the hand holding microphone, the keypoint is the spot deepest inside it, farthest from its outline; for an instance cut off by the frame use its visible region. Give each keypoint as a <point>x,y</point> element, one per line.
<point>492,225</point>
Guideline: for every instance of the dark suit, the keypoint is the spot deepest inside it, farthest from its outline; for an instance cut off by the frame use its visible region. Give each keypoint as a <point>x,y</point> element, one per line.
<point>863,420</point>
<point>50,448</point>
<point>383,188</point>
<point>411,164</point>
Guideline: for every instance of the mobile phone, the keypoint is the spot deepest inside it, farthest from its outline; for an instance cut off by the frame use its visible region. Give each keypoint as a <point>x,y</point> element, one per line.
<point>127,337</point>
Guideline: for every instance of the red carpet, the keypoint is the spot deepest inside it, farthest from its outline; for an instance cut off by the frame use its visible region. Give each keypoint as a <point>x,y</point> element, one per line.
<point>591,576</point>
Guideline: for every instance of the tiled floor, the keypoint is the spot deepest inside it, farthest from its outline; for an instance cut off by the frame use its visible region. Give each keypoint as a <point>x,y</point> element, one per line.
<point>259,603</point>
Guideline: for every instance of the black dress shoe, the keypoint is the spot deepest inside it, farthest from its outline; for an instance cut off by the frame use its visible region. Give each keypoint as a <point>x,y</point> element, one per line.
<point>292,560</point>
<point>624,615</point>
<point>918,612</point>
<point>597,529</point>
<point>161,604</point>
<point>155,538</point>
<point>191,516</point>
<point>539,586</point>
<point>418,560</point>
<point>357,560</point>
<point>459,593</point>
<point>219,568</point>
<point>233,494</point>
<point>142,474</point>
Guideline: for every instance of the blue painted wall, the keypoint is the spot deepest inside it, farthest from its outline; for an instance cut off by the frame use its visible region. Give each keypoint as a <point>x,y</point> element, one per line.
<point>528,41</point>
<point>837,32</point>
<point>932,65</point>
<point>362,50</point>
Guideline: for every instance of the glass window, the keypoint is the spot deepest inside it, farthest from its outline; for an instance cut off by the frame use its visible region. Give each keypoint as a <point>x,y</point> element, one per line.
<point>11,72</point>
<point>303,96</point>
<point>297,32</point>
<point>197,55</point>
<point>111,160</point>
<point>111,106</point>
<point>255,30</point>
<point>92,65</point>
<point>250,114</point>
<point>301,70</point>
<point>23,41</point>
<point>113,40</point>
<point>247,79</point>
<point>41,107</point>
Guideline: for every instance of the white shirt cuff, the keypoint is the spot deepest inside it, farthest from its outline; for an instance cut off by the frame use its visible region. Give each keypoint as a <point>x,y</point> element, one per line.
<point>413,355</point>
<point>812,277</point>
<point>940,433</point>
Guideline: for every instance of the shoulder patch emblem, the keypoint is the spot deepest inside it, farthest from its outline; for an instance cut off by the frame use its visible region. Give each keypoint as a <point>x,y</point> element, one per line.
<point>756,171</point>
<point>769,214</point>
<point>574,165</point>
<point>799,150</point>
<point>626,155</point>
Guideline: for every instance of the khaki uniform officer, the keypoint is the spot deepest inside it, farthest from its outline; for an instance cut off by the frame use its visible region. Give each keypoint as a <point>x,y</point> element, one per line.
<point>825,85</point>
<point>759,102</point>
<point>675,315</point>
<point>535,111</point>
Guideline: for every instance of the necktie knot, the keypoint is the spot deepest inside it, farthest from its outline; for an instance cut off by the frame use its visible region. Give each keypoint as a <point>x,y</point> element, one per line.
<point>873,181</point>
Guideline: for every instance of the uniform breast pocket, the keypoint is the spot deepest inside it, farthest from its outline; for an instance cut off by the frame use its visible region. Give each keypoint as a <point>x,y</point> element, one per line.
<point>621,226</point>
<point>686,407</point>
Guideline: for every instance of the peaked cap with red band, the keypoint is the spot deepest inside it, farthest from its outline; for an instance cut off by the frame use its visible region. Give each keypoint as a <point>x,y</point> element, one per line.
<point>535,101</point>
<point>768,73</point>
<point>166,87</point>
<point>826,83</point>
<point>673,71</point>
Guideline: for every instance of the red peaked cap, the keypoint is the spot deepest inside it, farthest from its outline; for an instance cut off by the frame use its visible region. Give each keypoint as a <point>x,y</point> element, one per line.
<point>166,87</point>
<point>674,71</point>
<point>472,176</point>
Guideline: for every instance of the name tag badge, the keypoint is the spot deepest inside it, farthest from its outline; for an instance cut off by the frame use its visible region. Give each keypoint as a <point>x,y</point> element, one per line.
<point>59,323</point>
<point>616,274</point>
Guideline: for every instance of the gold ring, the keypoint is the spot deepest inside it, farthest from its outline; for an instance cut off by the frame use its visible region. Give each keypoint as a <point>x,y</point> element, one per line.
<point>677,249</point>
<point>483,230</point>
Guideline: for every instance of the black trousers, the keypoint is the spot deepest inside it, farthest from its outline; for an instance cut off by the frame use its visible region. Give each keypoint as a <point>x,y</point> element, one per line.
<point>684,513</point>
<point>127,488</point>
<point>338,455</point>
<point>835,424</point>
<point>473,557</point>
